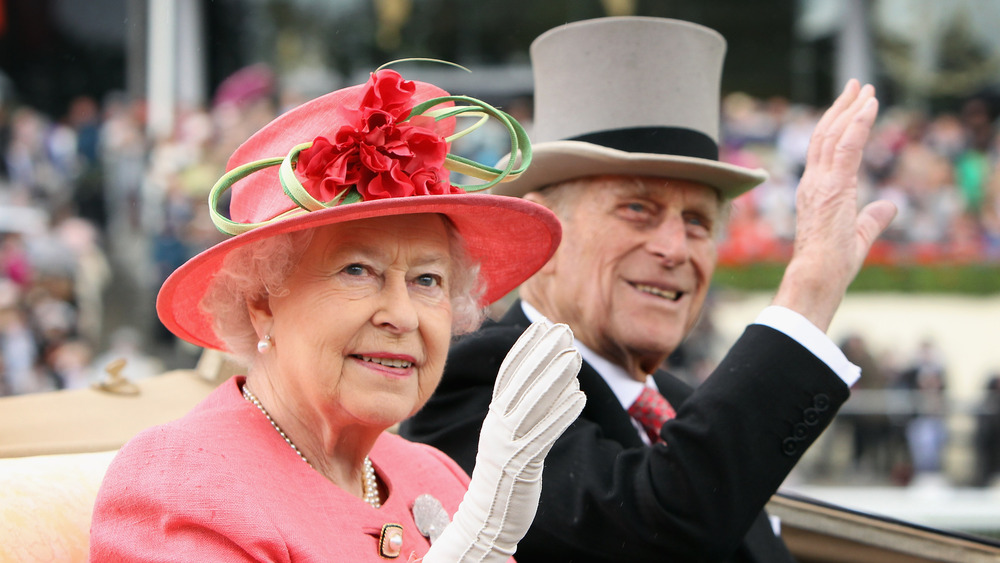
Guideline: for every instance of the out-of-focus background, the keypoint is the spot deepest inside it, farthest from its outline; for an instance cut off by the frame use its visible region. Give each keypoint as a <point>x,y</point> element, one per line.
<point>117,116</point>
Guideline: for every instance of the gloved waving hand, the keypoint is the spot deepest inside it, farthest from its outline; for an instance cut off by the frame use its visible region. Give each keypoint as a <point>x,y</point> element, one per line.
<point>536,397</point>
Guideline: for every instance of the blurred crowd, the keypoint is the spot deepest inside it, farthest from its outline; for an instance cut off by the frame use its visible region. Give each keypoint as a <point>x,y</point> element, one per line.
<point>940,170</point>
<point>95,213</point>
<point>59,186</point>
<point>899,416</point>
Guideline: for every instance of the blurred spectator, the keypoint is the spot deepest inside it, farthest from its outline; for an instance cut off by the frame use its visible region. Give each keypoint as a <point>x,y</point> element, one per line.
<point>69,361</point>
<point>34,176</point>
<point>84,120</point>
<point>987,437</point>
<point>14,264</point>
<point>793,141</point>
<point>18,346</point>
<point>946,136</point>
<point>974,164</point>
<point>991,217</point>
<point>123,153</point>
<point>871,426</point>
<point>899,409</point>
<point>926,431</point>
<point>91,275</point>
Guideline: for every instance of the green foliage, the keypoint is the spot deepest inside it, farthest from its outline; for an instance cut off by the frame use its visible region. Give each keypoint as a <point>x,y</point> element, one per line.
<point>966,279</point>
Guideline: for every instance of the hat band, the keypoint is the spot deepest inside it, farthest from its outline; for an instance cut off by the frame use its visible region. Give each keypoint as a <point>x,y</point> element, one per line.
<point>674,141</point>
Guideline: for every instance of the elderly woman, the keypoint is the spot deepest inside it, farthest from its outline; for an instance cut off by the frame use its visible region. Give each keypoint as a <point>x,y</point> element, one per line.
<point>350,269</point>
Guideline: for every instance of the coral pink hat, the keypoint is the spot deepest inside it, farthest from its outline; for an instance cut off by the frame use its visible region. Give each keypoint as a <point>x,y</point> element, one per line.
<point>372,150</point>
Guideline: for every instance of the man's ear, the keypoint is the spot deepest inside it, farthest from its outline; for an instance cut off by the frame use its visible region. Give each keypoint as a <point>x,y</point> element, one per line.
<point>259,309</point>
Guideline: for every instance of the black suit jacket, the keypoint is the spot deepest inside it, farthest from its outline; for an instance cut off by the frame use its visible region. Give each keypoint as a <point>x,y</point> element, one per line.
<point>606,496</point>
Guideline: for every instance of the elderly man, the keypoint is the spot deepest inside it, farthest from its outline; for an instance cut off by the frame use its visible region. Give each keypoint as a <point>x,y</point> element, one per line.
<point>625,153</point>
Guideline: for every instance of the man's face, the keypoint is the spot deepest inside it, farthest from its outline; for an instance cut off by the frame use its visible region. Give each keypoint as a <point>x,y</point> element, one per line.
<point>633,269</point>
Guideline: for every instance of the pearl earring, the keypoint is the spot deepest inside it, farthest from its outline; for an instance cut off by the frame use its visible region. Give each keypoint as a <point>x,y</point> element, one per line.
<point>264,344</point>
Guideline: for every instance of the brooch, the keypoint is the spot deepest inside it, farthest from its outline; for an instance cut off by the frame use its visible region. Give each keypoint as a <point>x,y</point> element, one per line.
<point>430,517</point>
<point>390,541</point>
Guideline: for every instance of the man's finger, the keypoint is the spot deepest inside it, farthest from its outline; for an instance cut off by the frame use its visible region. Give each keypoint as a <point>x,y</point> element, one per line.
<point>819,139</point>
<point>873,219</point>
<point>848,152</point>
<point>842,124</point>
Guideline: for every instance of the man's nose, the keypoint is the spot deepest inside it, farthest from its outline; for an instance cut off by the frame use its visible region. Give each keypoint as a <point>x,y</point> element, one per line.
<point>395,310</point>
<point>668,242</point>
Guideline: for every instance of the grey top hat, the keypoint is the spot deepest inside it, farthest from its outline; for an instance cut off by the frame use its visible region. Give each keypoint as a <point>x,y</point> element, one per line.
<point>629,95</point>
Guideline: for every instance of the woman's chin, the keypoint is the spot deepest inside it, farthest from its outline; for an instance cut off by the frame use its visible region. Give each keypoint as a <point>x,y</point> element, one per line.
<point>385,415</point>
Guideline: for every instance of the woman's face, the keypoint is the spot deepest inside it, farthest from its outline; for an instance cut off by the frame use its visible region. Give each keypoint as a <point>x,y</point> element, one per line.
<point>361,333</point>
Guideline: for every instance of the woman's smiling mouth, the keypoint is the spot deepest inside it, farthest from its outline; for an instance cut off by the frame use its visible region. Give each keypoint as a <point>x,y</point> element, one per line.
<point>387,362</point>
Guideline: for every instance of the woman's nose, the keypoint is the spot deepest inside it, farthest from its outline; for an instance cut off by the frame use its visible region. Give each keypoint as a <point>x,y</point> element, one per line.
<point>395,311</point>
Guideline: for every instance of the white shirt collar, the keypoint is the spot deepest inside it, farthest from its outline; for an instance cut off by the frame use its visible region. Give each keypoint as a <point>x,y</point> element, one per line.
<point>624,387</point>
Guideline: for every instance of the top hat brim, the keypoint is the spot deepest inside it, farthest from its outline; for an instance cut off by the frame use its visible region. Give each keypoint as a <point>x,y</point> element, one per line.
<point>558,161</point>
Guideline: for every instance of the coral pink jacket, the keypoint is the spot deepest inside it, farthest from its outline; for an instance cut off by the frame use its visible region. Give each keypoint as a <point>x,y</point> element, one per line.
<point>220,484</point>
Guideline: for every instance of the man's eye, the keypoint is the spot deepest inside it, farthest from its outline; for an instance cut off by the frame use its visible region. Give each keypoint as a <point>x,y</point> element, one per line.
<point>698,225</point>
<point>698,220</point>
<point>355,270</point>
<point>638,212</point>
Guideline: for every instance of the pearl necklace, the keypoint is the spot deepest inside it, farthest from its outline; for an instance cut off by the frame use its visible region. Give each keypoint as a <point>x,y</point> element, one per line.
<point>370,482</point>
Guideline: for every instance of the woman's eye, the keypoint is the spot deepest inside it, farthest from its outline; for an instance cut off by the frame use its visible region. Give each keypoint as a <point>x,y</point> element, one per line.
<point>428,280</point>
<point>355,270</point>
<point>636,207</point>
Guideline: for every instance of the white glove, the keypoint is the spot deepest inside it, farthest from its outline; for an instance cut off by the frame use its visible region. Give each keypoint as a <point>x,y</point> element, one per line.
<point>536,397</point>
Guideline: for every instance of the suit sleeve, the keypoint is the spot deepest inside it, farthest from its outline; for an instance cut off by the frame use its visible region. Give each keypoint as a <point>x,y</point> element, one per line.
<point>693,499</point>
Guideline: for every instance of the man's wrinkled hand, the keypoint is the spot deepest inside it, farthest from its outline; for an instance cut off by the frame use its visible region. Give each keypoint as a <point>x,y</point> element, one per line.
<point>832,237</point>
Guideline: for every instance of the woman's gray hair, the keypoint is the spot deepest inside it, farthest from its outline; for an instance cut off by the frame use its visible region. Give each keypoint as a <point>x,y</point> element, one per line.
<point>256,270</point>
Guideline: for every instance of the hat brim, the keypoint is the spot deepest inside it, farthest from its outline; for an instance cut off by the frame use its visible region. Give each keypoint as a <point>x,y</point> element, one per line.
<point>510,239</point>
<point>558,161</point>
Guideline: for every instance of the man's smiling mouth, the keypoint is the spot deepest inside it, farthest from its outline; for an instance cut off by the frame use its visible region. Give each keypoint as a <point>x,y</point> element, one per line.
<point>388,362</point>
<point>662,293</point>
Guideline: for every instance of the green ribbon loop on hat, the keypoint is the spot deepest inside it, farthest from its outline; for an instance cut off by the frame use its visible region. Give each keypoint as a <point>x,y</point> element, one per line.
<point>519,142</point>
<point>305,202</point>
<point>221,222</point>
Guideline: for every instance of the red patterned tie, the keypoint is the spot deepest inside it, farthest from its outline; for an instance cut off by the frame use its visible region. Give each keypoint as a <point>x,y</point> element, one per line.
<point>651,410</point>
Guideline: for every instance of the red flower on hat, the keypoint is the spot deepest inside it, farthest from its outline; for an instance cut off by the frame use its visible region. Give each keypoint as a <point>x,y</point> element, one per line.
<point>379,153</point>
